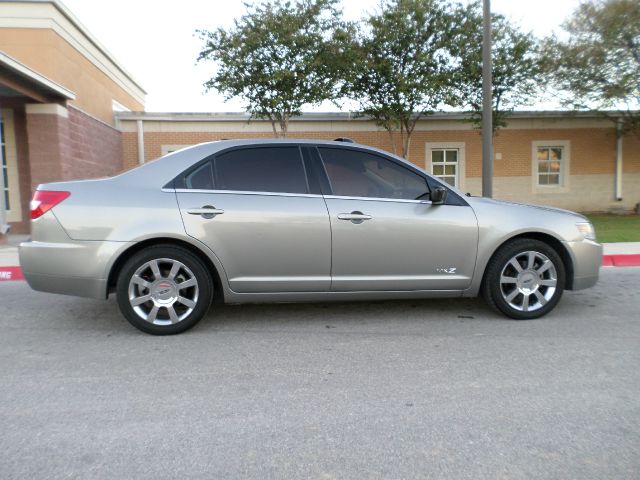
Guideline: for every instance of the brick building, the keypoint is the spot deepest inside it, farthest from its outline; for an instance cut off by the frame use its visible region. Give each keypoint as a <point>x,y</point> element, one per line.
<point>59,90</point>
<point>69,110</point>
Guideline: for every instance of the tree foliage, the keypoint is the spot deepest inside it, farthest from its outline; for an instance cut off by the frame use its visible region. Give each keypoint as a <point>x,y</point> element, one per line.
<point>516,71</point>
<point>597,66</point>
<point>278,57</point>
<point>400,64</point>
<point>405,61</point>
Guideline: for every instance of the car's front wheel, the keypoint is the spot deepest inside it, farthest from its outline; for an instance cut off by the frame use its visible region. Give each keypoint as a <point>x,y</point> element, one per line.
<point>164,290</point>
<point>524,279</point>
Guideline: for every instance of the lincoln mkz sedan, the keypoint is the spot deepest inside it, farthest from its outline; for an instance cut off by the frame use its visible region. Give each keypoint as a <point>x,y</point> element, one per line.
<point>240,221</point>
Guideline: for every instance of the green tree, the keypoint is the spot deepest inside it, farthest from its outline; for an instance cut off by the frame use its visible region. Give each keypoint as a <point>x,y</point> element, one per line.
<point>516,72</point>
<point>278,57</point>
<point>400,61</point>
<point>597,66</point>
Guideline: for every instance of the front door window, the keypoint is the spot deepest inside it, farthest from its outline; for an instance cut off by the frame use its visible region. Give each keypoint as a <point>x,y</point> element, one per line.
<point>354,173</point>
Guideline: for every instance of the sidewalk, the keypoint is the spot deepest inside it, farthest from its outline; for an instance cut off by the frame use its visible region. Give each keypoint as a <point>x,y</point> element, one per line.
<point>615,255</point>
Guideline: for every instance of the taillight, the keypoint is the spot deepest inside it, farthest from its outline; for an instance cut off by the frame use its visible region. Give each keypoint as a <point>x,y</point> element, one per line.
<point>45,200</point>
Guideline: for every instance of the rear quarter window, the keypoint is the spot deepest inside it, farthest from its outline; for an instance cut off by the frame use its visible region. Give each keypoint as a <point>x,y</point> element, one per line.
<point>201,178</point>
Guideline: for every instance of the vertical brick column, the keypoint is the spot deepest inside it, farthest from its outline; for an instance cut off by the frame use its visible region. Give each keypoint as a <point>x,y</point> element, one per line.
<point>48,141</point>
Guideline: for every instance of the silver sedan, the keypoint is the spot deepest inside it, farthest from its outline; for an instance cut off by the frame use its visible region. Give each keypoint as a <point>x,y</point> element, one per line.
<point>287,221</point>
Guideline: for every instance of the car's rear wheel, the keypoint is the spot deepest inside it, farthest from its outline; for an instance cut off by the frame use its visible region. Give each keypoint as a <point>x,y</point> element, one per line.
<point>524,279</point>
<point>164,290</point>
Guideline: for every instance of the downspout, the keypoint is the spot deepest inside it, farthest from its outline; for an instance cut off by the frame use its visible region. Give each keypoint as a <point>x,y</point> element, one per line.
<point>140,127</point>
<point>619,160</point>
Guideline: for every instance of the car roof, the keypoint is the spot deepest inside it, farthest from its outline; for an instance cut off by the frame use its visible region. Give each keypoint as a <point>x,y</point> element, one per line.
<point>169,166</point>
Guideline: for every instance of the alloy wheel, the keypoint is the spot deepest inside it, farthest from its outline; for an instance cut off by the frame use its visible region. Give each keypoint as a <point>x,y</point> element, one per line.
<point>163,291</point>
<point>528,281</point>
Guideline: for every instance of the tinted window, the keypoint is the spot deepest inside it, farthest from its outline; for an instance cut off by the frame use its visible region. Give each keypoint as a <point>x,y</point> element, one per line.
<point>265,169</point>
<point>200,178</point>
<point>354,173</point>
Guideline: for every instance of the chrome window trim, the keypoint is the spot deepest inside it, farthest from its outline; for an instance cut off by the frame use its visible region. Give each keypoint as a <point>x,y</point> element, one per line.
<point>243,192</point>
<point>282,194</point>
<point>378,199</point>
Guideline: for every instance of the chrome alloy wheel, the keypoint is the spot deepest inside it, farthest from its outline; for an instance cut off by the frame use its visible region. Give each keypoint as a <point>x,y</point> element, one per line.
<point>528,281</point>
<point>163,291</point>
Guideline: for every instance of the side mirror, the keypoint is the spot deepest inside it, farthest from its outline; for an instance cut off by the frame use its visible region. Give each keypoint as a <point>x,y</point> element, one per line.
<point>438,195</point>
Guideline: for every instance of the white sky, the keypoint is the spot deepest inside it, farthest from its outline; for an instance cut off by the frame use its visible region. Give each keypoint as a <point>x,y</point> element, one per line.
<point>154,40</point>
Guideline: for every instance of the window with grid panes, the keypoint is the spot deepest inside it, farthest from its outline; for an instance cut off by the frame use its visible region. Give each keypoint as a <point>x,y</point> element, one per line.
<point>550,160</point>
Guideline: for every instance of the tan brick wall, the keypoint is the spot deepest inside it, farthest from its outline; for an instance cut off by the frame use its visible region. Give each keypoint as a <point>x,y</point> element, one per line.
<point>46,52</point>
<point>631,153</point>
<point>153,141</point>
<point>588,193</point>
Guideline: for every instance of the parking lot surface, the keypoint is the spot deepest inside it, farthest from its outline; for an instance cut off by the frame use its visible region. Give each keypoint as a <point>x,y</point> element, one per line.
<point>407,389</point>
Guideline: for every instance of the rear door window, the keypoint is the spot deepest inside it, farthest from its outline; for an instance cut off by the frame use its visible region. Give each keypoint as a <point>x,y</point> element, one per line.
<point>262,169</point>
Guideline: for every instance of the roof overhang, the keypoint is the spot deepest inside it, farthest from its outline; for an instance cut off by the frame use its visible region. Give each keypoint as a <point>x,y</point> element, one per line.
<point>341,116</point>
<point>24,81</point>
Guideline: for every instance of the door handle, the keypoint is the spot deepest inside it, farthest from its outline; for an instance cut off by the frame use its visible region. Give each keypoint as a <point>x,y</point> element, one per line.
<point>206,212</point>
<point>355,217</point>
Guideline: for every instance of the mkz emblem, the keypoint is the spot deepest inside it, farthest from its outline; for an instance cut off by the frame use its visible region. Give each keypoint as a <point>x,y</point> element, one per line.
<point>446,269</point>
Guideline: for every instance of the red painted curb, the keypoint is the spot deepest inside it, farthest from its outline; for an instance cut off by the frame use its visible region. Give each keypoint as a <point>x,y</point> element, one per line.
<point>621,260</point>
<point>8,274</point>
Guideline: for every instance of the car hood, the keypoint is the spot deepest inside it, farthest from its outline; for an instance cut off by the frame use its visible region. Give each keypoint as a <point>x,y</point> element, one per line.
<point>479,201</point>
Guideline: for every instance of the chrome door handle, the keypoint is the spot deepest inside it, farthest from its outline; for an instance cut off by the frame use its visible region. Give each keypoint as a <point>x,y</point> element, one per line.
<point>206,212</point>
<point>355,217</point>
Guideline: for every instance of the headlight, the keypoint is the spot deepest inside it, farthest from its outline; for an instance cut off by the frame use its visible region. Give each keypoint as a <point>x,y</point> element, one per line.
<point>587,230</point>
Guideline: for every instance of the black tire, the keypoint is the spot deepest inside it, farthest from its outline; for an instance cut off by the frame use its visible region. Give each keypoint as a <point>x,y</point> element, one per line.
<point>164,293</point>
<point>497,292</point>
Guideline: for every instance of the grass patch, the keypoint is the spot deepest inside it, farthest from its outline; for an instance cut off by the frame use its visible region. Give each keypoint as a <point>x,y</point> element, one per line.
<point>616,228</point>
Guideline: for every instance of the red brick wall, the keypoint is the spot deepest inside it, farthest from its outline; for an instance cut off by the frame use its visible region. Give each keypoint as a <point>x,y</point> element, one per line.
<point>93,148</point>
<point>46,135</point>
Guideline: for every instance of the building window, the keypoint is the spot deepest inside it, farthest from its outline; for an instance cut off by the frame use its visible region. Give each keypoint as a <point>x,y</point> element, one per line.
<point>550,160</point>
<point>5,176</point>
<point>444,164</point>
<point>550,166</point>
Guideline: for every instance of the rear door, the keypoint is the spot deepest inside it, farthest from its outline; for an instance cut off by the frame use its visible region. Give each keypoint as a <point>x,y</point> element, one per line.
<point>260,213</point>
<point>386,234</point>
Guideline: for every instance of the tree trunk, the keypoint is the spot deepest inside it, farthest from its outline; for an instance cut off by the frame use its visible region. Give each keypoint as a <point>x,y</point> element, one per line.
<point>391,140</point>
<point>284,125</point>
<point>273,126</point>
<point>405,147</point>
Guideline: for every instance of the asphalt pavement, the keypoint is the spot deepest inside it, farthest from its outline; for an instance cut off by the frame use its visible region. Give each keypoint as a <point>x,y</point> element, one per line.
<point>395,390</point>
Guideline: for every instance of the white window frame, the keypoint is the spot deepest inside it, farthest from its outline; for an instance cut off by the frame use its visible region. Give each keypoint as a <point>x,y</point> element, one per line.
<point>14,214</point>
<point>460,169</point>
<point>4,166</point>
<point>565,164</point>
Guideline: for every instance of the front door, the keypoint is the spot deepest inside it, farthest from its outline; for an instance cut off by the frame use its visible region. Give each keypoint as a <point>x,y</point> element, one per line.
<point>254,209</point>
<point>385,236</point>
